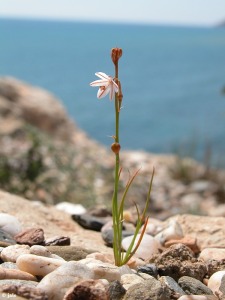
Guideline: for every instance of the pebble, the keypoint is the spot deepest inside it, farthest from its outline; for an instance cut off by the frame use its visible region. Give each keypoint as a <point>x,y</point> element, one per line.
<point>6,239</point>
<point>104,257</point>
<point>187,241</point>
<point>116,290</point>
<point>147,248</point>
<point>107,236</point>
<point>193,286</point>
<point>69,252</point>
<point>37,265</point>
<point>30,236</point>
<point>9,265</point>
<point>214,282</point>
<point>128,280</point>
<point>10,224</point>
<point>88,221</point>
<point>18,282</point>
<point>153,227</point>
<point>212,254</point>
<point>13,291</point>
<point>40,250</point>
<point>149,269</point>
<point>71,208</point>
<point>172,285</point>
<point>56,283</point>
<point>15,274</point>
<point>102,270</point>
<point>173,231</point>
<point>198,297</point>
<point>88,290</point>
<point>58,241</point>
<point>11,253</point>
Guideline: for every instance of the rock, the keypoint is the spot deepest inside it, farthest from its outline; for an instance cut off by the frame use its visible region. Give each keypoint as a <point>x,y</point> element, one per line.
<point>28,292</point>
<point>38,265</point>
<point>212,254</point>
<point>71,208</point>
<point>149,289</point>
<point>197,297</point>
<point>58,241</point>
<point>69,252</point>
<point>102,270</point>
<point>154,226</point>
<point>40,251</point>
<point>178,261</point>
<point>88,290</point>
<point>9,224</point>
<point>17,282</point>
<point>125,269</point>
<point>56,283</point>
<point>116,290</point>
<point>149,269</point>
<point>107,236</point>
<point>11,253</point>
<point>90,222</point>
<point>215,282</point>
<point>9,265</point>
<point>135,263</point>
<point>147,248</point>
<point>173,231</point>
<point>192,286</point>
<point>15,274</point>
<point>172,285</point>
<point>6,239</point>
<point>31,236</point>
<point>104,257</point>
<point>187,241</point>
<point>214,266</point>
<point>128,280</point>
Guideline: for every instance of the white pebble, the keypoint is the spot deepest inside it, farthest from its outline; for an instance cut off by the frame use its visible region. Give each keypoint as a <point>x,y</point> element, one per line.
<point>212,253</point>
<point>128,280</point>
<point>149,246</point>
<point>11,253</point>
<point>71,208</point>
<point>37,265</point>
<point>214,281</point>
<point>173,231</point>
<point>10,224</point>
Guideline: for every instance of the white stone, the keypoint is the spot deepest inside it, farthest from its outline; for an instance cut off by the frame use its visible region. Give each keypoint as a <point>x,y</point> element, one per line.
<point>128,280</point>
<point>101,269</point>
<point>10,224</point>
<point>71,208</point>
<point>214,281</point>
<point>195,297</point>
<point>37,265</point>
<point>125,269</point>
<point>11,253</point>
<point>42,251</point>
<point>212,253</point>
<point>153,227</point>
<point>148,246</point>
<point>173,231</point>
<point>56,283</point>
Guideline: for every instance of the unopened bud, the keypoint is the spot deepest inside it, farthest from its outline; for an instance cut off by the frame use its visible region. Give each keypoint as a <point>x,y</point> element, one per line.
<point>115,148</point>
<point>116,53</point>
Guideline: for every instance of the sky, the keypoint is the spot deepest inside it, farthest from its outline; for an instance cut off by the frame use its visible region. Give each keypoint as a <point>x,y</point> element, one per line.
<point>186,12</point>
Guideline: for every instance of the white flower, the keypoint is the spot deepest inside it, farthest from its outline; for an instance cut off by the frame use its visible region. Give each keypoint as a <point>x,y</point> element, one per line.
<point>106,85</point>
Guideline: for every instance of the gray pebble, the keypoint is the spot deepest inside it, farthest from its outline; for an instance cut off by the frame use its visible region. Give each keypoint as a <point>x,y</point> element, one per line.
<point>192,286</point>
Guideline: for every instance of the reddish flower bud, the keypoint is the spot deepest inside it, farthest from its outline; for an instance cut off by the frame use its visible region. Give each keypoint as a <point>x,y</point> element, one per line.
<point>115,148</point>
<point>116,53</point>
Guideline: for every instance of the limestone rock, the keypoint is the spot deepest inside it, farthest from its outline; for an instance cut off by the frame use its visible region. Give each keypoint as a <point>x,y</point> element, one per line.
<point>11,253</point>
<point>31,236</point>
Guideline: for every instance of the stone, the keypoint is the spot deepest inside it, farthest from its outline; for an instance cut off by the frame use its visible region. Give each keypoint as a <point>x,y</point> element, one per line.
<point>15,274</point>
<point>88,290</point>
<point>6,239</point>
<point>198,297</point>
<point>126,270</point>
<point>104,257</point>
<point>88,221</point>
<point>178,261</point>
<point>212,254</point>
<point>147,248</point>
<point>128,280</point>
<point>107,236</point>
<point>102,270</point>
<point>31,236</point>
<point>69,252</point>
<point>172,285</point>
<point>173,231</point>
<point>56,283</point>
<point>28,292</point>
<point>214,282</point>
<point>10,224</point>
<point>149,269</point>
<point>40,251</point>
<point>214,266</point>
<point>37,265</point>
<point>58,241</point>
<point>149,289</point>
<point>17,282</point>
<point>9,265</point>
<point>187,241</point>
<point>135,262</point>
<point>192,286</point>
<point>71,208</point>
<point>11,253</point>
<point>153,227</point>
<point>116,290</point>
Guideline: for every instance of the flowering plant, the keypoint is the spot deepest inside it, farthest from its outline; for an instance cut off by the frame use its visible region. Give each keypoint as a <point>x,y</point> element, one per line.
<point>112,86</point>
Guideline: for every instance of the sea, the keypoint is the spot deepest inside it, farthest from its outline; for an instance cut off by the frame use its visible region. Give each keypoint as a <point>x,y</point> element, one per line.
<point>173,80</point>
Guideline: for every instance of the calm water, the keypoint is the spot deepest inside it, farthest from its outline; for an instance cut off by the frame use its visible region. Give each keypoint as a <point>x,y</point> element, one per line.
<point>172,79</point>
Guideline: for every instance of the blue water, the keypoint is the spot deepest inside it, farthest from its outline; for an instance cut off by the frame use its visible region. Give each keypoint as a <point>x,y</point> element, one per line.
<point>172,79</point>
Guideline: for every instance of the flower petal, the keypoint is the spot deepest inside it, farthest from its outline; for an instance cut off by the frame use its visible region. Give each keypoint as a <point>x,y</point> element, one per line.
<point>99,83</point>
<point>102,92</point>
<point>103,76</point>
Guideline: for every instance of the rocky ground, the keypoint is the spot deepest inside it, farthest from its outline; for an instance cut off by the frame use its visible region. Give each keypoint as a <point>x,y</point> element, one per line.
<point>47,253</point>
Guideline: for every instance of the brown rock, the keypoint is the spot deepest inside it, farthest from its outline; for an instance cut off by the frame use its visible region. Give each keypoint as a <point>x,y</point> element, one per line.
<point>15,274</point>
<point>187,241</point>
<point>88,290</point>
<point>58,241</point>
<point>31,236</point>
<point>28,292</point>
